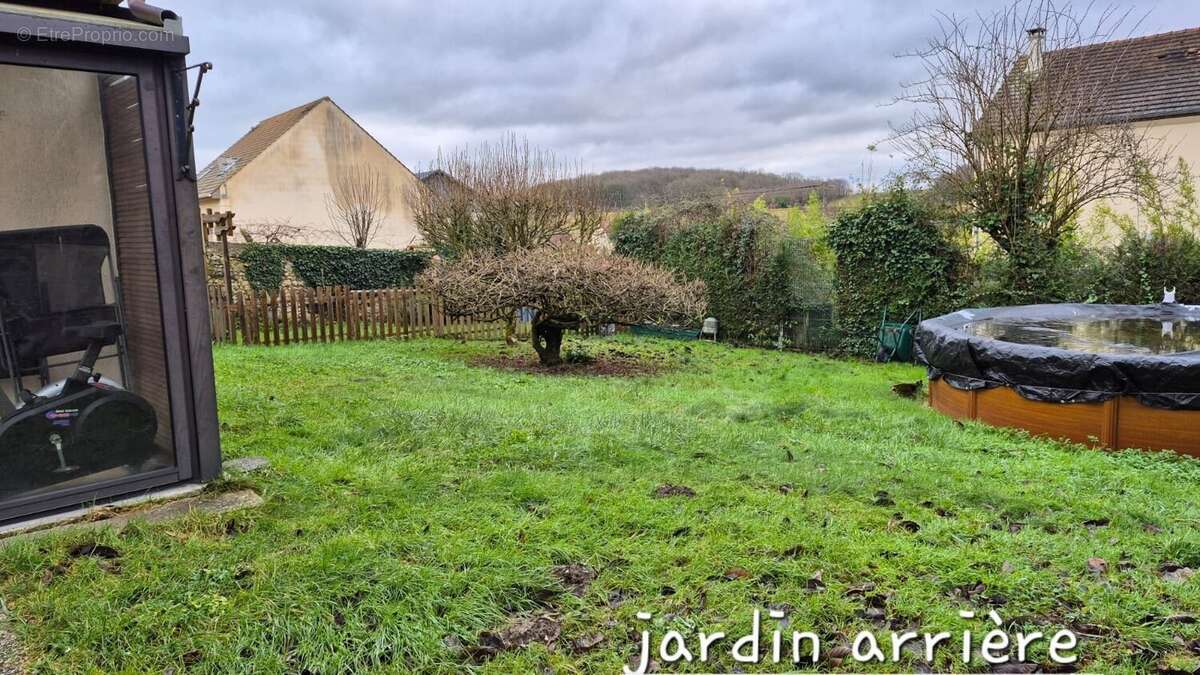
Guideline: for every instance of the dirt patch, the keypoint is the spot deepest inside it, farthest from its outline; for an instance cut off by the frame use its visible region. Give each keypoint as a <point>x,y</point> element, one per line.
<point>517,634</point>
<point>577,578</point>
<point>606,366</point>
<point>669,490</point>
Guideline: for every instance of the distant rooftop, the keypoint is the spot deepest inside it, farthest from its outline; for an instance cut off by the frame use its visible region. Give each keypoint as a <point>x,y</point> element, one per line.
<point>1143,78</point>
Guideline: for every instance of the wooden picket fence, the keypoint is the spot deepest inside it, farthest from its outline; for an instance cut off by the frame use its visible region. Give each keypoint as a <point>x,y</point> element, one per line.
<point>338,314</point>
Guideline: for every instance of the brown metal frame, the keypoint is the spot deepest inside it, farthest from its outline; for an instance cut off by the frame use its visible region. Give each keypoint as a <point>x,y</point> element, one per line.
<point>178,244</point>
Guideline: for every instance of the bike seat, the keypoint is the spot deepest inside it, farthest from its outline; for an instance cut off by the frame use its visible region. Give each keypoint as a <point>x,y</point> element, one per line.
<point>105,331</point>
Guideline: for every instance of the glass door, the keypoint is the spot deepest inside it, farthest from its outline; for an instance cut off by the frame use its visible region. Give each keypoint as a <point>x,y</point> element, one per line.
<point>85,400</point>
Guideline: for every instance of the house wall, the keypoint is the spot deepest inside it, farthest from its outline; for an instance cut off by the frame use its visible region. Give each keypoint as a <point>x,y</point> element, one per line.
<point>1181,137</point>
<point>289,181</point>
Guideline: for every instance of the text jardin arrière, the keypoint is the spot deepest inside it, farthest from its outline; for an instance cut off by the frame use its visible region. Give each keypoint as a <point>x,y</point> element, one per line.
<point>996,646</point>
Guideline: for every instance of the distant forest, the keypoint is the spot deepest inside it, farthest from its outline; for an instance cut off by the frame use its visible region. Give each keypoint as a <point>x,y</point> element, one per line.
<point>631,189</point>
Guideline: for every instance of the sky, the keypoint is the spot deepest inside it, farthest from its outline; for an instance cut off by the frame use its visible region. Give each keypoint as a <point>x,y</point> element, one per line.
<point>789,86</point>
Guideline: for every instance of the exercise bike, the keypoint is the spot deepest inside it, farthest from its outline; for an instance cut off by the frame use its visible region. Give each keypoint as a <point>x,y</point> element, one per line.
<point>83,424</point>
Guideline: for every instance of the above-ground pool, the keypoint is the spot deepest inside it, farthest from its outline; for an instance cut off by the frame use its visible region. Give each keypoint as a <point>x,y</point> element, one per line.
<point>1116,376</point>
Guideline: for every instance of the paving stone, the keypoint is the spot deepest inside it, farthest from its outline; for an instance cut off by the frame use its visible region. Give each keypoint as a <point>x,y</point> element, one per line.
<point>246,464</point>
<point>216,503</point>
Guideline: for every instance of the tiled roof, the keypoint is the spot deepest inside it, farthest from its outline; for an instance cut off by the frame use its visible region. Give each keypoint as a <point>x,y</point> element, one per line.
<point>250,146</point>
<point>1143,78</point>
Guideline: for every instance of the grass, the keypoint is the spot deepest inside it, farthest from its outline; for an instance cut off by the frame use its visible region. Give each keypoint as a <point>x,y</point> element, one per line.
<point>416,501</point>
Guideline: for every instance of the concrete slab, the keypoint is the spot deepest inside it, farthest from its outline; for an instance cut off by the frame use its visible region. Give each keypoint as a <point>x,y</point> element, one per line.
<point>246,464</point>
<point>215,503</point>
<point>92,512</point>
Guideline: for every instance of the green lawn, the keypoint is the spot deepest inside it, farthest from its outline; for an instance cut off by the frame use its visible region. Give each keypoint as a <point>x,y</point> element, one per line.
<point>417,501</point>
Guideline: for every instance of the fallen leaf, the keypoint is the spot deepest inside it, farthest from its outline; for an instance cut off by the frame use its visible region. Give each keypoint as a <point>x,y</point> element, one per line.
<point>577,578</point>
<point>586,643</point>
<point>1180,618</point>
<point>860,589</point>
<point>1178,575</point>
<point>1097,566</point>
<point>874,614</point>
<point>815,583</point>
<point>519,633</point>
<point>735,573</point>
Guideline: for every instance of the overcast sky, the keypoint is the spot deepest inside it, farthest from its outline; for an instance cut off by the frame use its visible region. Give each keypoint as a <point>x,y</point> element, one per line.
<point>790,86</point>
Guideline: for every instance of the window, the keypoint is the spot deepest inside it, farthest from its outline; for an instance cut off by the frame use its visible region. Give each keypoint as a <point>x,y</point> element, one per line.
<point>83,376</point>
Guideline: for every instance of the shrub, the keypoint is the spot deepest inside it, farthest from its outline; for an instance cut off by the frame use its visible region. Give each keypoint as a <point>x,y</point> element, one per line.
<point>332,266</point>
<point>758,277</point>
<point>892,256</point>
<point>1165,255</point>
<point>567,287</point>
<point>1068,273</point>
<point>1142,264</point>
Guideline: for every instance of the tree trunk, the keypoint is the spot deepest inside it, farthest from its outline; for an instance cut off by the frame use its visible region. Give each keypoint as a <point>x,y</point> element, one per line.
<point>547,342</point>
<point>510,330</point>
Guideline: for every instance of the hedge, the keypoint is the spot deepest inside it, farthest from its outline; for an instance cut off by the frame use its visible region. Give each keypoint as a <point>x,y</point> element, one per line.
<point>758,278</point>
<point>892,256</point>
<point>332,266</point>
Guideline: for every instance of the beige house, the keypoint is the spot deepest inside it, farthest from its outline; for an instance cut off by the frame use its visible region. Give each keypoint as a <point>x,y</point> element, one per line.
<point>279,177</point>
<point>1158,91</point>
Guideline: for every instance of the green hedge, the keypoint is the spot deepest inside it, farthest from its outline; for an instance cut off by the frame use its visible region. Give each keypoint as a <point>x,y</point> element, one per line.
<point>758,278</point>
<point>891,256</point>
<point>332,266</point>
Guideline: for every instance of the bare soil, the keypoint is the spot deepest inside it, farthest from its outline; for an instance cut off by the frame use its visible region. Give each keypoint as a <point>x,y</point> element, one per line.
<point>605,366</point>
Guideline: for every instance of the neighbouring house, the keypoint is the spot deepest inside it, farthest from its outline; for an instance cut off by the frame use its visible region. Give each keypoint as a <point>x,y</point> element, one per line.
<point>1157,90</point>
<point>280,176</point>
<point>438,181</point>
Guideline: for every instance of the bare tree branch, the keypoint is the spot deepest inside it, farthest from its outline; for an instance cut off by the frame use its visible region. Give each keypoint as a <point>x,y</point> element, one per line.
<point>505,197</point>
<point>1025,143</point>
<point>359,204</point>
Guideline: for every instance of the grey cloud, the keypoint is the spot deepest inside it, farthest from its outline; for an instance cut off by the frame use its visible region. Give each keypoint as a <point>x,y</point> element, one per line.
<point>778,84</point>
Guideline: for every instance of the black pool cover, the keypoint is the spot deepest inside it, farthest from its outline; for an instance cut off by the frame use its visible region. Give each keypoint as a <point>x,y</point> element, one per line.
<point>1070,353</point>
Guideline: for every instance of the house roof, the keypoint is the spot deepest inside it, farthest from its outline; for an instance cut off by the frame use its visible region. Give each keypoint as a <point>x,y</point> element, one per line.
<point>250,146</point>
<point>1142,78</point>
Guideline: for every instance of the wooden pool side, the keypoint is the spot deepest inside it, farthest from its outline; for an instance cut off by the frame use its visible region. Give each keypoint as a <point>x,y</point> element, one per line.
<point>1119,423</point>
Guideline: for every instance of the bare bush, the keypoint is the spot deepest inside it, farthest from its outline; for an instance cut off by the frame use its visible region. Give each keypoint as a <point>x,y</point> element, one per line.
<point>359,204</point>
<point>505,197</point>
<point>1015,125</point>
<point>566,286</point>
<point>273,232</point>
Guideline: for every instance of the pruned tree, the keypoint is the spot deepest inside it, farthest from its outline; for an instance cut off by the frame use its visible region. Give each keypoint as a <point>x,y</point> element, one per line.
<point>1011,119</point>
<point>504,197</point>
<point>566,286</point>
<point>359,204</point>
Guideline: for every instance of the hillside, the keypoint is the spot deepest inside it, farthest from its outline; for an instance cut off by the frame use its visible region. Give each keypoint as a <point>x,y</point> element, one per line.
<point>626,189</point>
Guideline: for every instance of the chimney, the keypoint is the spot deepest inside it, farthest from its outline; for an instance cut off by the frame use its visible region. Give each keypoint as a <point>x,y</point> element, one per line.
<point>1037,43</point>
